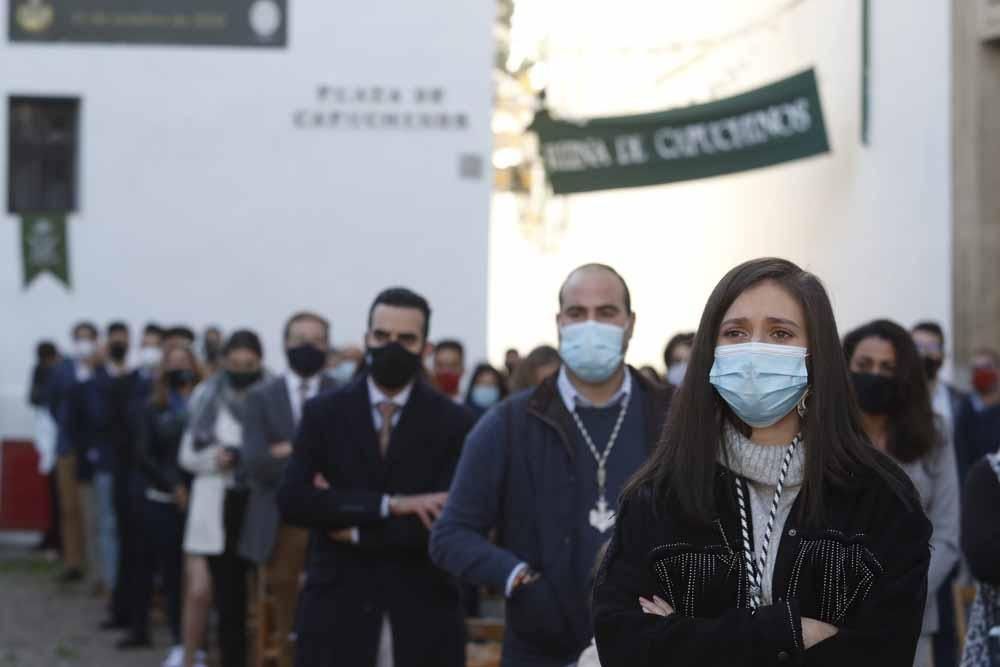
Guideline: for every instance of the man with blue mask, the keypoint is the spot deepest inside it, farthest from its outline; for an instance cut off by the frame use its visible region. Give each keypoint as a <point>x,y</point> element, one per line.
<point>545,470</point>
<point>343,364</point>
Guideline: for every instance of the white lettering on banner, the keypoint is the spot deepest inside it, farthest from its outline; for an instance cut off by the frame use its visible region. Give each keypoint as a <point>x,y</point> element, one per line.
<point>690,141</point>
<point>628,149</point>
<point>729,134</point>
<point>667,151</point>
<point>777,123</point>
<point>577,154</point>
<point>715,131</point>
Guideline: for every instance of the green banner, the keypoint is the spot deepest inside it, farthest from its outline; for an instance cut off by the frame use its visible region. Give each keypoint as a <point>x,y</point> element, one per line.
<point>44,247</point>
<point>257,23</point>
<point>780,122</point>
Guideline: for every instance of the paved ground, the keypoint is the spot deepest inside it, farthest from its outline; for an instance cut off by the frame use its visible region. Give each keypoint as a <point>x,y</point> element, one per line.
<point>44,624</point>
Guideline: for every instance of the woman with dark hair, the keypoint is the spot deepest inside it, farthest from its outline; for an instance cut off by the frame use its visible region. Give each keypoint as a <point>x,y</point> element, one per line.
<point>486,388</point>
<point>160,519</point>
<point>891,387</point>
<point>765,529</point>
<point>675,357</point>
<point>543,362</point>
<point>210,450</point>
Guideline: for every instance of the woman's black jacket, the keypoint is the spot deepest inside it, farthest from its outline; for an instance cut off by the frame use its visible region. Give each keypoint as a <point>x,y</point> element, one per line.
<point>863,570</point>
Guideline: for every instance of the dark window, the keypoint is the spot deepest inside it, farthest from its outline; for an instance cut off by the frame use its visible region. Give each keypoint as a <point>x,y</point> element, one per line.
<point>43,144</point>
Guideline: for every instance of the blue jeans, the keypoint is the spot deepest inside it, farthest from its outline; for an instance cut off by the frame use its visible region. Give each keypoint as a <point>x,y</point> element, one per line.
<point>103,490</point>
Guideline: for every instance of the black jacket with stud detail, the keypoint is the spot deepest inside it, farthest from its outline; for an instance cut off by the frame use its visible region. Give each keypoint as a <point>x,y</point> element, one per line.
<point>864,571</point>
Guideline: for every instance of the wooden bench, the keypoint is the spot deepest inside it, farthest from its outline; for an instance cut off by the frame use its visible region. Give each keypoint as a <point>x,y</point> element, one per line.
<point>485,642</point>
<point>260,624</point>
<point>963,596</point>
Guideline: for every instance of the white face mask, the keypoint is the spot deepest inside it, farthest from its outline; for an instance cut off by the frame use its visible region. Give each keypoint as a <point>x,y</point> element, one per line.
<point>83,348</point>
<point>675,374</point>
<point>150,356</point>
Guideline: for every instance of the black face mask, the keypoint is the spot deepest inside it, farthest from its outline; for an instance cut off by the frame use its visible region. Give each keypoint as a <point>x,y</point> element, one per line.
<point>876,394</point>
<point>931,368</point>
<point>306,360</point>
<point>241,381</point>
<point>178,379</point>
<point>211,349</point>
<point>392,365</point>
<point>118,351</point>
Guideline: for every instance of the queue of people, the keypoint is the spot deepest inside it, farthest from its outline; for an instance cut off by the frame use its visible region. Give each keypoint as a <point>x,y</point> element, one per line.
<point>778,496</point>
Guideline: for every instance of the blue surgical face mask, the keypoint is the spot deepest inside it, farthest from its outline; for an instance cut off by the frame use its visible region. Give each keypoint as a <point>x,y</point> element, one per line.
<point>343,372</point>
<point>592,350</point>
<point>760,382</point>
<point>675,374</point>
<point>485,396</point>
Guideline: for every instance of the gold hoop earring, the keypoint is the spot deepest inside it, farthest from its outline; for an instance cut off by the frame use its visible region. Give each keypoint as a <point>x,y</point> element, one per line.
<point>801,408</point>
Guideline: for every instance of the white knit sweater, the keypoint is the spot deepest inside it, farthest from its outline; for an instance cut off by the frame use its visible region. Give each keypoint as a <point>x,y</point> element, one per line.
<point>761,465</point>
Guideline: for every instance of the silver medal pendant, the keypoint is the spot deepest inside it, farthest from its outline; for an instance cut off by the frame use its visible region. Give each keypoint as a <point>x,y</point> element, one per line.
<point>602,518</point>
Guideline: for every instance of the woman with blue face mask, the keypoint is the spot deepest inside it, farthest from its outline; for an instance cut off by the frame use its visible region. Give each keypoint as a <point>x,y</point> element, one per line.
<point>486,388</point>
<point>766,529</point>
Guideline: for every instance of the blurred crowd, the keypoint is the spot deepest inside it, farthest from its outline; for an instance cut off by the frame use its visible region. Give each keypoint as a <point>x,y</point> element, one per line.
<point>181,471</point>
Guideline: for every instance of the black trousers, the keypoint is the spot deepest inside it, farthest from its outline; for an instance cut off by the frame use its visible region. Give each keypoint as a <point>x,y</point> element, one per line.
<point>128,503</point>
<point>159,534</point>
<point>946,640</point>
<point>53,534</point>
<point>229,583</point>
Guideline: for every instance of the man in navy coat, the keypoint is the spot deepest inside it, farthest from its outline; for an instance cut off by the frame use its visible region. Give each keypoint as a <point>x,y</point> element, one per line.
<point>369,475</point>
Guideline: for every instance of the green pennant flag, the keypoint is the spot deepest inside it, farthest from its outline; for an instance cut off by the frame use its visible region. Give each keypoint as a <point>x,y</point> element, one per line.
<point>776,123</point>
<point>44,246</point>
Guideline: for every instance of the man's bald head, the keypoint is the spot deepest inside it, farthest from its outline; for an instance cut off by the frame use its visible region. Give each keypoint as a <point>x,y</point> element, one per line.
<point>596,276</point>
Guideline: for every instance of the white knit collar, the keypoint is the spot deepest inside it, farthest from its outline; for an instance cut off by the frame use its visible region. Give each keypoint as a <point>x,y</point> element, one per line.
<point>760,463</point>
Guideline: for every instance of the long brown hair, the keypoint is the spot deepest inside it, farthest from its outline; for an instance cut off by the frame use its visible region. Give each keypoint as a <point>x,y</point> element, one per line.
<point>912,432</point>
<point>525,375</point>
<point>161,387</point>
<point>683,466</point>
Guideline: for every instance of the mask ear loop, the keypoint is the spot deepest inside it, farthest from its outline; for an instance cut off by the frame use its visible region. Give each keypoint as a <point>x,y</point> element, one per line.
<point>801,407</point>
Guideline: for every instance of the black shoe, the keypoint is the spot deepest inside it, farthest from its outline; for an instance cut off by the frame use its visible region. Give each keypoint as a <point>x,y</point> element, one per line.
<point>132,642</point>
<point>70,576</point>
<point>113,624</point>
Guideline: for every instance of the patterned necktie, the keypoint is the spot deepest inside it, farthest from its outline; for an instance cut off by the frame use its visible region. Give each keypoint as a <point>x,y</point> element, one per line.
<point>387,409</point>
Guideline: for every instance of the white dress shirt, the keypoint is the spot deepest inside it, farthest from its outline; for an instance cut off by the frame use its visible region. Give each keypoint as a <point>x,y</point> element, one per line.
<point>83,372</point>
<point>384,657</point>
<point>375,396</point>
<point>572,397</point>
<point>294,384</point>
<point>114,370</point>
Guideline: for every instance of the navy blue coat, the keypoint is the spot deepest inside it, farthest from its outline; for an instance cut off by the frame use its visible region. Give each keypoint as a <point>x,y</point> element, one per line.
<point>61,381</point>
<point>517,475</point>
<point>349,587</point>
<point>89,416</point>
